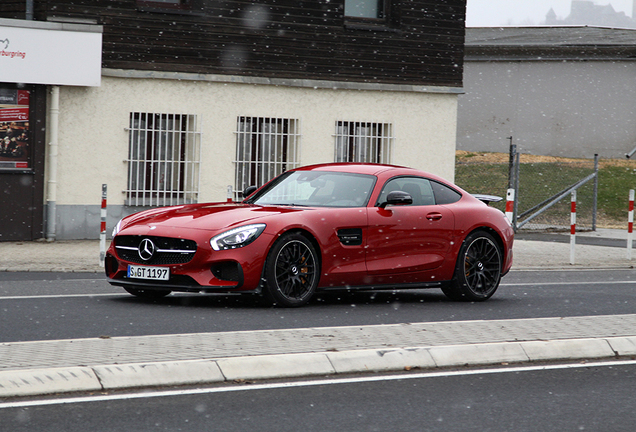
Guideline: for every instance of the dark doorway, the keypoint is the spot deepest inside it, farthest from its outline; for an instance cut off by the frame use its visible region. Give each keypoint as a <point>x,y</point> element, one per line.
<point>22,149</point>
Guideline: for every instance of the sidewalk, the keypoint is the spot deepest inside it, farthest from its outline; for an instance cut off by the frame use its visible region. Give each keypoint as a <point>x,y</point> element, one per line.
<point>48,367</point>
<point>38,368</point>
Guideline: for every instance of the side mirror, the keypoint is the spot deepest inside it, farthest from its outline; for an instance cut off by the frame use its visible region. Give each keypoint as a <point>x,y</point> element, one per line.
<point>249,191</point>
<point>397,198</point>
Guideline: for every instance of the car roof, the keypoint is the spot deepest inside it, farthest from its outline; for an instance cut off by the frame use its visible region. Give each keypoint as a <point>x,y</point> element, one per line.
<point>373,169</point>
<point>355,167</point>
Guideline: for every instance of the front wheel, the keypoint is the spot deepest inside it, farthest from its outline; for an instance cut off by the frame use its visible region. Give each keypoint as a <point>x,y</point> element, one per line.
<point>478,269</point>
<point>291,271</point>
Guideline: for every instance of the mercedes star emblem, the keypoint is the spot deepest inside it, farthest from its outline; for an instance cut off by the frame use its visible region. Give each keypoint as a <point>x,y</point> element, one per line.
<point>146,249</point>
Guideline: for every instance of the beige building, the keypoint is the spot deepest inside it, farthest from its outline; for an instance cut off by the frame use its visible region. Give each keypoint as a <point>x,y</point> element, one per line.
<point>402,125</point>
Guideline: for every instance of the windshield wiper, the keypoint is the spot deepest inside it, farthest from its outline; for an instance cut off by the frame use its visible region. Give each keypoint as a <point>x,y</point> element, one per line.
<point>282,205</point>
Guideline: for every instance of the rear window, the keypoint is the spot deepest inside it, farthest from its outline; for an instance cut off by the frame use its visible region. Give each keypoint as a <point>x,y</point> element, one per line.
<point>444,194</point>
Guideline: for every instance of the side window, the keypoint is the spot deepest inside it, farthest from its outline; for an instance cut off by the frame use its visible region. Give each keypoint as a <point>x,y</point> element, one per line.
<point>444,194</point>
<point>419,188</point>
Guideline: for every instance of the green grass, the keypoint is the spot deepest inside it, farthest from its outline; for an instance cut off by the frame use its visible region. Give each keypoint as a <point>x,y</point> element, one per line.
<point>614,183</point>
<point>541,180</point>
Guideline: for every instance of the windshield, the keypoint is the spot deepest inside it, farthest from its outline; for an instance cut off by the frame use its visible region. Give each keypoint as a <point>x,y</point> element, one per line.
<point>317,189</point>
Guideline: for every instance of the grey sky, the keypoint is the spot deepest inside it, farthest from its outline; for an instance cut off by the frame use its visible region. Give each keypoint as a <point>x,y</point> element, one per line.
<point>490,13</point>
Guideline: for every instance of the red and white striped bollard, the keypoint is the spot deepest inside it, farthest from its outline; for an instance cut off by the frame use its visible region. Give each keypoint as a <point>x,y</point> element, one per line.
<point>572,225</point>
<point>102,228</point>
<point>630,224</point>
<point>510,204</point>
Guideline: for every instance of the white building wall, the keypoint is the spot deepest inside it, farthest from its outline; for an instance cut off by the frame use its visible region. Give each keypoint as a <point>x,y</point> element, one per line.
<point>93,141</point>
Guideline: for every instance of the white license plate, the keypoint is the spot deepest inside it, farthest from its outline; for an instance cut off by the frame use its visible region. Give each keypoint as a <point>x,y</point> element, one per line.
<point>152,273</point>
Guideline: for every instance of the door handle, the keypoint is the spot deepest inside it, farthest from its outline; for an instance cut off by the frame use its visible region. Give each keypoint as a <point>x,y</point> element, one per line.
<point>434,216</point>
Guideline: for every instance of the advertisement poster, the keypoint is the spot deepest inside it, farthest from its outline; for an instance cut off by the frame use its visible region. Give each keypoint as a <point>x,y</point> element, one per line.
<point>14,128</point>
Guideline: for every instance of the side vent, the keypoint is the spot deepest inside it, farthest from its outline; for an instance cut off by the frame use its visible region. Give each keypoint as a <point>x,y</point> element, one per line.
<point>228,271</point>
<point>350,236</point>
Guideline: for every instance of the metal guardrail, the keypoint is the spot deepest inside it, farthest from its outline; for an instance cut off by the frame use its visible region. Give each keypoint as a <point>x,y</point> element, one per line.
<point>540,208</point>
<point>545,205</point>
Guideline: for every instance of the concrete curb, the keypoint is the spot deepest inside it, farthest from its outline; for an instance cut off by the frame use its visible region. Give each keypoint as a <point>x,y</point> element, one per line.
<point>116,377</point>
<point>46,381</point>
<point>31,382</point>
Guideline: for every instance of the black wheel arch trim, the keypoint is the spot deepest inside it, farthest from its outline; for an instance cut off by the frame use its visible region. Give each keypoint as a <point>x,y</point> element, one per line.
<point>305,233</point>
<point>496,236</point>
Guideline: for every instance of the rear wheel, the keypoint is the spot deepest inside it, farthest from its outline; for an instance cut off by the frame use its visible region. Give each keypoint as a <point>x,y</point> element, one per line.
<point>147,293</point>
<point>291,271</point>
<point>478,269</point>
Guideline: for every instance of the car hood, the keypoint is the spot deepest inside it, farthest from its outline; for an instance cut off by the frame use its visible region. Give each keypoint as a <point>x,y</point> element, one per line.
<point>210,217</point>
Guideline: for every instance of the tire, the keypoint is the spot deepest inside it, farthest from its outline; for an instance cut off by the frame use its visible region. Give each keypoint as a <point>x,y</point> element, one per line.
<point>478,270</point>
<point>147,293</point>
<point>292,271</point>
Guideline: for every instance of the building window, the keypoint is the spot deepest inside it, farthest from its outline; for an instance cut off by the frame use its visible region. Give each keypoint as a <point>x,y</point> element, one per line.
<point>363,142</point>
<point>366,9</point>
<point>163,159</point>
<point>164,5</point>
<point>15,133</point>
<point>265,148</point>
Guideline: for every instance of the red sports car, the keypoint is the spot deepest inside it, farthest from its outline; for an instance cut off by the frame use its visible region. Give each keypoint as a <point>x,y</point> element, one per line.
<point>351,226</point>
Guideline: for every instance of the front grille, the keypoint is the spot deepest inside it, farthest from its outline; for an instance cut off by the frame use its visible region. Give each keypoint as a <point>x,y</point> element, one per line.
<point>169,250</point>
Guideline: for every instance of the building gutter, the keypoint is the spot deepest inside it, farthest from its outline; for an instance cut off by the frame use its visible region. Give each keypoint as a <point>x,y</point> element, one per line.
<point>282,82</point>
<point>51,211</point>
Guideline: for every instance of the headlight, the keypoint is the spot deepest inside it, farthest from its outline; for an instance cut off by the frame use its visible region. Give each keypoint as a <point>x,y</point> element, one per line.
<point>237,238</point>
<point>117,227</point>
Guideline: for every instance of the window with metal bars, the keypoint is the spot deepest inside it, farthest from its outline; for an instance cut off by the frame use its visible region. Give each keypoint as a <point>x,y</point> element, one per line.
<point>265,148</point>
<point>163,159</point>
<point>363,142</point>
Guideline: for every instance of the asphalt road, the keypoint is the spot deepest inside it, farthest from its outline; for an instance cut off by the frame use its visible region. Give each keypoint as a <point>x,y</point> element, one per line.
<point>580,398</point>
<point>45,306</point>
<point>574,397</point>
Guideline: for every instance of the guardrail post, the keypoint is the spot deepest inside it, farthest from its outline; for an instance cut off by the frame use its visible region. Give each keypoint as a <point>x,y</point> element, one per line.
<point>572,226</point>
<point>102,228</point>
<point>511,164</point>
<point>630,224</point>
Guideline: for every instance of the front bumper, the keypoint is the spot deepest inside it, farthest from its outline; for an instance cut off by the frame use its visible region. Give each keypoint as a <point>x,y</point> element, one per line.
<point>236,270</point>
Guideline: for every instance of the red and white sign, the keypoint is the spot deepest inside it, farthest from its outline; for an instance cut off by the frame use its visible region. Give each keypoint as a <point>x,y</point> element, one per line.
<point>36,52</point>
<point>23,97</point>
<point>14,114</point>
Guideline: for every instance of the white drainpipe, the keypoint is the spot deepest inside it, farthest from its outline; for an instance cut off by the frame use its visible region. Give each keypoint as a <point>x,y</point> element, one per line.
<point>29,10</point>
<point>54,113</point>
